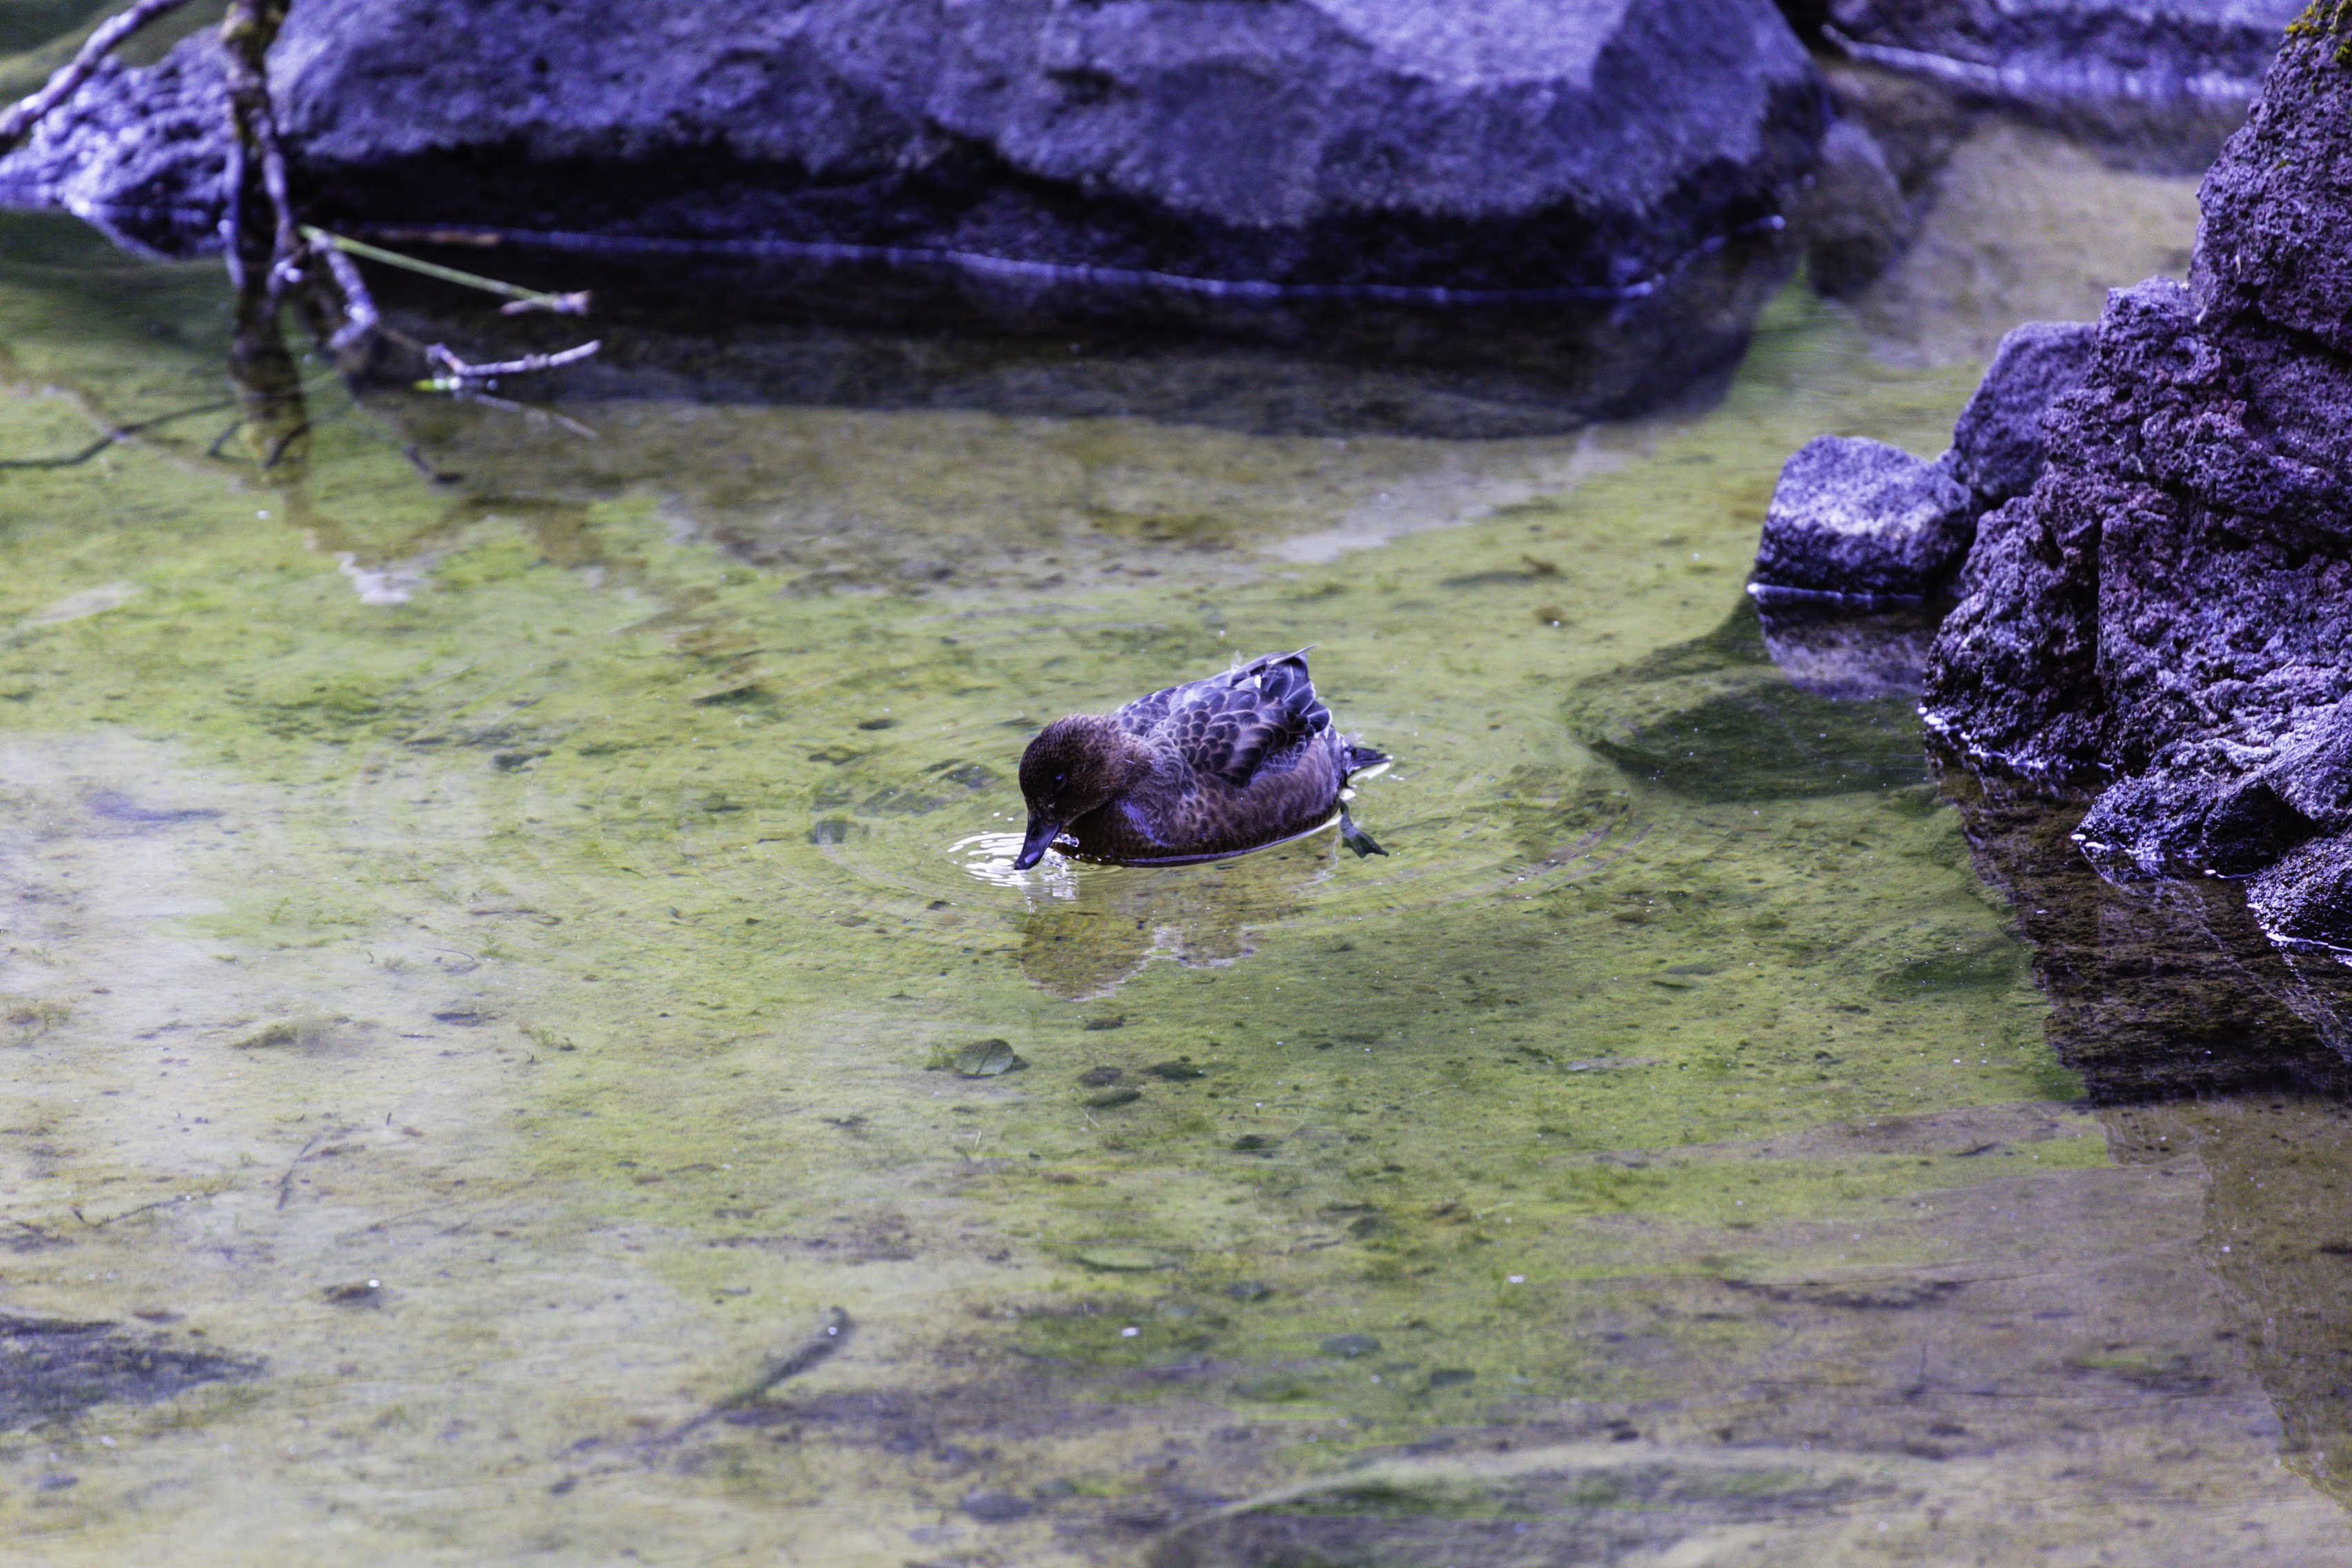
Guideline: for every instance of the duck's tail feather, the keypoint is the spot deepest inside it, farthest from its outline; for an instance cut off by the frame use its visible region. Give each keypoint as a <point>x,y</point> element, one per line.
<point>1244,665</point>
<point>1364,762</point>
<point>1357,839</point>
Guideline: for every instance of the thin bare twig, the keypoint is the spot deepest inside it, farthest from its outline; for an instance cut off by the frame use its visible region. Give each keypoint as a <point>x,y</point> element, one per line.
<point>360,318</point>
<point>465,391</point>
<point>114,433</point>
<point>18,121</point>
<point>285,1182</point>
<point>832,1334</point>
<point>572,304</point>
<point>522,299</point>
<point>456,372</point>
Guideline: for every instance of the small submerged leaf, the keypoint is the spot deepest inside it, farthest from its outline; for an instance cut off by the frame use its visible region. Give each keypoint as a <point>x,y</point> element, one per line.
<point>1113,1097</point>
<point>1347,1347</point>
<point>1115,1260</point>
<point>987,1059</point>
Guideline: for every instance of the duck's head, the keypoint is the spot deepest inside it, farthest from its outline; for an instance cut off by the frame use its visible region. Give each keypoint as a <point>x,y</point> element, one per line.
<point>1073,766</point>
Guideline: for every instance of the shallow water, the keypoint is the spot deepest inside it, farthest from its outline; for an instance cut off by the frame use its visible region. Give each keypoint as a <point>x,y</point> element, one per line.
<point>506,917</point>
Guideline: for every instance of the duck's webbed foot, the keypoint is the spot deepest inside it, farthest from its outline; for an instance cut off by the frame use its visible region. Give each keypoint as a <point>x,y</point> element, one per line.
<point>1357,839</point>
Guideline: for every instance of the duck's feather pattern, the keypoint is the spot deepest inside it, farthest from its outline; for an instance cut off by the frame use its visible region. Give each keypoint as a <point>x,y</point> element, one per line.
<point>1259,717</point>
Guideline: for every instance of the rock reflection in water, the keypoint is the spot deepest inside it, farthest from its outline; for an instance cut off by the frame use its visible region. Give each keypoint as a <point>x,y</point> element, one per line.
<point>1088,929</point>
<point>1716,719</point>
<point>2279,1234</point>
<point>2158,990</point>
<point>1467,366</point>
<point>1858,656</point>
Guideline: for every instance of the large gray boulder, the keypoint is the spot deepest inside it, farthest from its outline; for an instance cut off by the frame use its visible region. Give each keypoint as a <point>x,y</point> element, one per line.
<point>1563,145</point>
<point>2164,614</point>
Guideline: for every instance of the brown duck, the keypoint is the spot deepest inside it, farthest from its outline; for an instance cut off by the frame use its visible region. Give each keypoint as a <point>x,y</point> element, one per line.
<point>1198,772</point>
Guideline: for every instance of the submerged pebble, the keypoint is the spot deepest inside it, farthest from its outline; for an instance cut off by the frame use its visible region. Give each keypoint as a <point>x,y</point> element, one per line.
<point>1115,1260</point>
<point>996,1508</point>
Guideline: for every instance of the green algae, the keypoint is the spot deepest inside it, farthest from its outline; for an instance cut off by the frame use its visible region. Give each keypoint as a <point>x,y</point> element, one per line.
<point>564,893</point>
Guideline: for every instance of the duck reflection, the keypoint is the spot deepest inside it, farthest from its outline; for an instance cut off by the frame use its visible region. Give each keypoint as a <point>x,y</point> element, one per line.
<point>1088,930</point>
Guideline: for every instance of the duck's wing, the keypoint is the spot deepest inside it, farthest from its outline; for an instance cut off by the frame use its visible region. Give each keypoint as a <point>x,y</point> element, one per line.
<point>1254,719</point>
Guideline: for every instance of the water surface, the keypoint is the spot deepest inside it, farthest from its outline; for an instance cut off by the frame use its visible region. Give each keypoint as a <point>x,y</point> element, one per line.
<point>505,915</point>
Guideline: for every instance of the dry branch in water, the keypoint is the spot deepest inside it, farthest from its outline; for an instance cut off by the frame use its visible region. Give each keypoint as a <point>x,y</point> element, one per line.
<point>456,372</point>
<point>273,257</point>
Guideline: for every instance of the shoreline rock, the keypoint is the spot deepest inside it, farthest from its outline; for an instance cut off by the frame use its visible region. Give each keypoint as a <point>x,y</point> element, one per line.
<point>2168,613</point>
<point>1576,201</point>
<point>1865,524</point>
<point>1997,445</point>
<point>1861,522</point>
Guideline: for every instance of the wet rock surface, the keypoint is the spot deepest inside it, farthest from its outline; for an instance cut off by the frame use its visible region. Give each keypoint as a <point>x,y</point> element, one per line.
<point>2306,899</point>
<point>2166,608</point>
<point>1861,520</point>
<point>2158,990</point>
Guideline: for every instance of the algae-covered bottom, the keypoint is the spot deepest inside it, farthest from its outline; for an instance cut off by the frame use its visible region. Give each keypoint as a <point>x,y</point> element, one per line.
<point>522,1042</point>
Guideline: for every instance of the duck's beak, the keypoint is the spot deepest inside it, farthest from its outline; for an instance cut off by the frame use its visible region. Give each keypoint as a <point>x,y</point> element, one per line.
<point>1033,845</point>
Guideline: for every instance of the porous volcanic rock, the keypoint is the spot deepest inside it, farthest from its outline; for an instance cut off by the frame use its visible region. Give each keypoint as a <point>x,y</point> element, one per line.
<point>2169,612</point>
<point>1997,447</point>
<point>1861,521</point>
